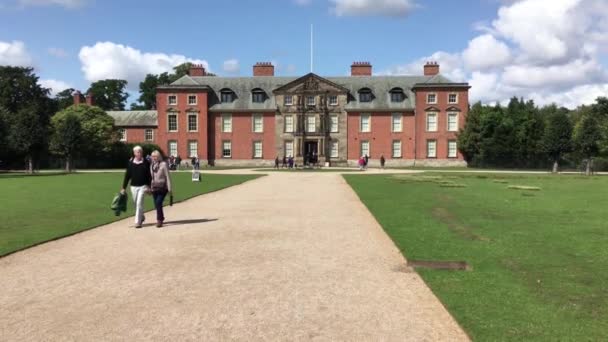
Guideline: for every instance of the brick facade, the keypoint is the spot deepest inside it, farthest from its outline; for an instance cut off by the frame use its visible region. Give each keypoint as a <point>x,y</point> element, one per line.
<point>242,137</point>
<point>381,136</point>
<point>336,99</point>
<point>442,108</point>
<point>183,110</point>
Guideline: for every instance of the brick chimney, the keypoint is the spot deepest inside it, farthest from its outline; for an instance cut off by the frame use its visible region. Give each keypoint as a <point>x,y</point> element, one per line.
<point>77,96</point>
<point>361,69</point>
<point>431,69</point>
<point>89,99</point>
<point>263,69</point>
<point>197,70</point>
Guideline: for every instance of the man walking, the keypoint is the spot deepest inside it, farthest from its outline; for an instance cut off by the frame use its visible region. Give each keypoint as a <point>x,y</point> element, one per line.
<point>138,174</point>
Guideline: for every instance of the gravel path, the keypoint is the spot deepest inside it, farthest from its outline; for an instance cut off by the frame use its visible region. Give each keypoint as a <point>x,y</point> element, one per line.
<point>289,256</point>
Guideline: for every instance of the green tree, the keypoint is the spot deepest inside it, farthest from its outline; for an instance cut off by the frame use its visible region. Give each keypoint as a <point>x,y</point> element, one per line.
<point>587,139</point>
<point>497,144</point>
<point>65,98</point>
<point>27,135</point>
<point>469,138</point>
<point>4,116</point>
<point>19,89</point>
<point>147,89</point>
<point>98,128</point>
<point>109,94</point>
<point>67,136</point>
<point>557,136</point>
<point>27,112</point>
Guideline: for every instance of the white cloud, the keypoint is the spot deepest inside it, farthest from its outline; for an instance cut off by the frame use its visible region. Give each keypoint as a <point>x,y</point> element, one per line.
<point>57,52</point>
<point>231,66</point>
<point>390,8</point>
<point>572,98</point>
<point>555,32</point>
<point>547,53</point>
<point>451,66</point>
<point>106,60</point>
<point>70,4</point>
<point>14,53</point>
<point>571,74</point>
<point>55,86</point>
<point>485,52</point>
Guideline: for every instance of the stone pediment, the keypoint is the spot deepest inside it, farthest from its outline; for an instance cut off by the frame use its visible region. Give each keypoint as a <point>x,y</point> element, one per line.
<point>311,83</point>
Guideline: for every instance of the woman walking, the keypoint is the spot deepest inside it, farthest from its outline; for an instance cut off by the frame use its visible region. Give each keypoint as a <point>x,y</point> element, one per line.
<point>138,174</point>
<point>161,185</point>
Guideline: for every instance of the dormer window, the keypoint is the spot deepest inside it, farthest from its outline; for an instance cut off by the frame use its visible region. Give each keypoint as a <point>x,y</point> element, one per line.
<point>397,95</point>
<point>258,96</point>
<point>226,96</point>
<point>365,95</point>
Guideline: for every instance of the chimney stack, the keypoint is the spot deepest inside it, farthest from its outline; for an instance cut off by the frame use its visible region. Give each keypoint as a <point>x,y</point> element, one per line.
<point>89,99</point>
<point>77,96</point>
<point>431,69</point>
<point>361,69</point>
<point>263,69</point>
<point>197,70</point>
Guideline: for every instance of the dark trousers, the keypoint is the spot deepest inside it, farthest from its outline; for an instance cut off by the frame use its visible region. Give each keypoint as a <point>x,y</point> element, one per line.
<point>159,198</point>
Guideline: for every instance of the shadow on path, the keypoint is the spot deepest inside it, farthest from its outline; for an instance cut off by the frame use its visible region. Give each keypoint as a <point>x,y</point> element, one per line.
<point>184,222</point>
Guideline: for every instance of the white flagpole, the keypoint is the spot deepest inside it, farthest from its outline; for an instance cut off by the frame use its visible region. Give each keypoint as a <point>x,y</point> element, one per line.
<point>311,49</point>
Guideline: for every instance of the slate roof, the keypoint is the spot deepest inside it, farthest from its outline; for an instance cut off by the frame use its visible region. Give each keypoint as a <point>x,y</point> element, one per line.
<point>135,118</point>
<point>380,86</point>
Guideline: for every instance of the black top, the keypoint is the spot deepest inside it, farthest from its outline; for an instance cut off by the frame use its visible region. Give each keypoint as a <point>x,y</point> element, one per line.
<point>138,174</point>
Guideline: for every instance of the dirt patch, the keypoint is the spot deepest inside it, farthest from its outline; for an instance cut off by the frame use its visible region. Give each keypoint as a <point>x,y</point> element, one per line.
<point>440,265</point>
<point>445,216</point>
<point>524,187</point>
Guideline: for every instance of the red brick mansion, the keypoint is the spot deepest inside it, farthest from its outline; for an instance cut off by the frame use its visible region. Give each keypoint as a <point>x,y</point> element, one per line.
<point>229,121</point>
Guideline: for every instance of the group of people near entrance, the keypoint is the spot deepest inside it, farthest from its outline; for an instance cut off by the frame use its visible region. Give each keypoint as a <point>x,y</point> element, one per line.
<point>287,162</point>
<point>147,177</point>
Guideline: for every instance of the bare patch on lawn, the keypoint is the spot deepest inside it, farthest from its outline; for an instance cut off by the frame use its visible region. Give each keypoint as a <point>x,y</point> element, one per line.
<point>444,215</point>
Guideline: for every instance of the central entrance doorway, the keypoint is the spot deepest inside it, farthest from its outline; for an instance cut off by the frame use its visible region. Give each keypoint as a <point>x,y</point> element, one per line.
<point>311,152</point>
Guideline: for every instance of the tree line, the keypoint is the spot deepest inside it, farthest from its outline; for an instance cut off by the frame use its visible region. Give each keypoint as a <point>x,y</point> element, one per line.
<point>37,129</point>
<point>523,135</point>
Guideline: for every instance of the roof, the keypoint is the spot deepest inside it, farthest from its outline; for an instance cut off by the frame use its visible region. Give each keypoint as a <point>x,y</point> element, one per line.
<point>380,86</point>
<point>135,118</point>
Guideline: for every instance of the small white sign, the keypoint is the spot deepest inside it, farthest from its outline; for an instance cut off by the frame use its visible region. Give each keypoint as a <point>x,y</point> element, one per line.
<point>196,176</point>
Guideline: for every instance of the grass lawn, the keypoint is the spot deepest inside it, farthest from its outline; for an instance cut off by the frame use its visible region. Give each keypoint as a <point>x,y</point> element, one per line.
<point>43,207</point>
<point>539,257</point>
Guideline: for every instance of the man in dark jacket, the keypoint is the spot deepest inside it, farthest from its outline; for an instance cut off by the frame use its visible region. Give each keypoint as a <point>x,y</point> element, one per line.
<point>138,174</point>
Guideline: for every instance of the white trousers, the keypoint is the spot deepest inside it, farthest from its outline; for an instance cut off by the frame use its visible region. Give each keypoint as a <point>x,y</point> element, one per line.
<point>138,193</point>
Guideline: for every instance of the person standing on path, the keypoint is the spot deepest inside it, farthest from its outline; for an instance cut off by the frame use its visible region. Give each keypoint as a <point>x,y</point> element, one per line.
<point>366,160</point>
<point>160,184</point>
<point>138,174</point>
<point>382,162</point>
<point>276,163</point>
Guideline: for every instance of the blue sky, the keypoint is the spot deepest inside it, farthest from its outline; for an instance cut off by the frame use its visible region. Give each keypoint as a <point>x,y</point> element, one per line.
<point>481,41</point>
